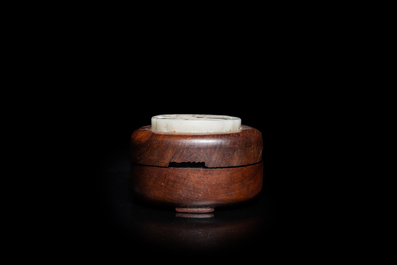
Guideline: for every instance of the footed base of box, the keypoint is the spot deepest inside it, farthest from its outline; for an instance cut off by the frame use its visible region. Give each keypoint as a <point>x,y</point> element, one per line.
<point>194,210</point>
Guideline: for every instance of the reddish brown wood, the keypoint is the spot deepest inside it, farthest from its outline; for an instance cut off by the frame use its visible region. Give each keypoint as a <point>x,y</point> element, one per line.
<point>215,150</point>
<point>196,187</point>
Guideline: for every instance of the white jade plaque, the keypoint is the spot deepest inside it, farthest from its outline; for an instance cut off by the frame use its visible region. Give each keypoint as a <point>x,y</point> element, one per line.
<point>195,123</point>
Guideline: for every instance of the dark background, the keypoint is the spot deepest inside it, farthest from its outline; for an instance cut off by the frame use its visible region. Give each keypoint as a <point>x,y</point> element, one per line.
<point>121,80</point>
<point>292,124</point>
<point>124,98</point>
<point>111,214</point>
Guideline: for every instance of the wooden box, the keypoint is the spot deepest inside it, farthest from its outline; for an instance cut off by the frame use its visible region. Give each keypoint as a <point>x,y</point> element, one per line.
<point>196,172</point>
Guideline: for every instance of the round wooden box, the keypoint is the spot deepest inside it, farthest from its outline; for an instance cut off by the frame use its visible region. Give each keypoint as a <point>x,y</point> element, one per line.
<point>196,171</point>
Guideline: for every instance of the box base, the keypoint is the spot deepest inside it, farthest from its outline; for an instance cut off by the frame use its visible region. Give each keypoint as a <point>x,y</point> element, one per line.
<point>194,210</point>
<point>196,190</point>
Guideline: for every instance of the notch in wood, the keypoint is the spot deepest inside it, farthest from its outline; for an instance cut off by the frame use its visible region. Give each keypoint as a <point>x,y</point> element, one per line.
<point>188,164</point>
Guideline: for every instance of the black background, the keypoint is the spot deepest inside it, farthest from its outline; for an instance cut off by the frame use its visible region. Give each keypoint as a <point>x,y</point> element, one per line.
<point>111,214</point>
<point>119,81</point>
<point>291,122</point>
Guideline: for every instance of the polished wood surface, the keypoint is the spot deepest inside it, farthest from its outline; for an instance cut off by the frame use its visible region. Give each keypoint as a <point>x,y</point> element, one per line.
<point>196,187</point>
<point>215,150</point>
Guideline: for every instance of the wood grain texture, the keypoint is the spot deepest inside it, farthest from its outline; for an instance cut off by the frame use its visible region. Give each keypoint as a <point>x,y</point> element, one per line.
<point>196,187</point>
<point>215,150</point>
